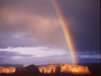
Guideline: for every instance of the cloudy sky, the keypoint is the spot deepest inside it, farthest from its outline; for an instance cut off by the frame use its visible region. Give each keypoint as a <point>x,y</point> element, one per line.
<point>30,32</point>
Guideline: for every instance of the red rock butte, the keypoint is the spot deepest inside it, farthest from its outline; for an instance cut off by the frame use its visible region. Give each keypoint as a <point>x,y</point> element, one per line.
<point>64,68</point>
<point>53,68</point>
<point>7,69</point>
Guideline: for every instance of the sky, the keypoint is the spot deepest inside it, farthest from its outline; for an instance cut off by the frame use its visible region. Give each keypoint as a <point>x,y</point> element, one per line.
<point>30,31</point>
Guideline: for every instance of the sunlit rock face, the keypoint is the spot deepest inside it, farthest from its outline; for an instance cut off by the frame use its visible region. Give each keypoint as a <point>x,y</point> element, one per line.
<point>48,69</point>
<point>7,69</point>
<point>74,69</point>
<point>64,68</point>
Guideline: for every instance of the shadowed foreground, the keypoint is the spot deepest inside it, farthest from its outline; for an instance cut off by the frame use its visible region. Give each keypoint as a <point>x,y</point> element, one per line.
<point>49,70</point>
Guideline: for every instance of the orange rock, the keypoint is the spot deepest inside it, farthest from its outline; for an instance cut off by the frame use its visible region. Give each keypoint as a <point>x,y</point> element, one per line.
<point>52,68</point>
<point>48,69</point>
<point>74,69</point>
<point>7,69</point>
<point>64,68</point>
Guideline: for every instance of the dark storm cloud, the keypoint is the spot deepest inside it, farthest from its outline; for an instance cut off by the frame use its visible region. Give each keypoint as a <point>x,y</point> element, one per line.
<point>85,22</point>
<point>25,25</point>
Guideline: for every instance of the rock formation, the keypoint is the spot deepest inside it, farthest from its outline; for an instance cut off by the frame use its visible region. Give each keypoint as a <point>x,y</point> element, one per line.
<point>7,69</point>
<point>52,69</point>
<point>64,68</point>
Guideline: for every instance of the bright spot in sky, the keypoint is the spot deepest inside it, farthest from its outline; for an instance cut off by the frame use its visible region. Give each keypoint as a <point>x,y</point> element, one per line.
<point>35,51</point>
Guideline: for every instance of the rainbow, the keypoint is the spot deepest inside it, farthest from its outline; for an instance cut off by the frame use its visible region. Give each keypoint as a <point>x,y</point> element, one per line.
<point>65,27</point>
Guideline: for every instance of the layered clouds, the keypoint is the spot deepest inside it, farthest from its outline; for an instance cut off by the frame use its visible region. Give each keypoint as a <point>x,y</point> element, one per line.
<point>33,55</point>
<point>35,19</point>
<point>30,33</point>
<point>44,55</point>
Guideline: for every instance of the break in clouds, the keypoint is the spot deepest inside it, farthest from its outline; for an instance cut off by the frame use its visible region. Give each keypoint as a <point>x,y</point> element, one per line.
<point>42,55</point>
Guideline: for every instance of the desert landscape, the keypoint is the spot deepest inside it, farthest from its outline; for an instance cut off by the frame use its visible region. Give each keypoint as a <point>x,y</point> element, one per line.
<point>50,38</point>
<point>52,70</point>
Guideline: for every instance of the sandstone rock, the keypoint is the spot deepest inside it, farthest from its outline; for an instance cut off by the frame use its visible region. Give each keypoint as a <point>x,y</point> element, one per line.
<point>64,68</point>
<point>48,69</point>
<point>7,69</point>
